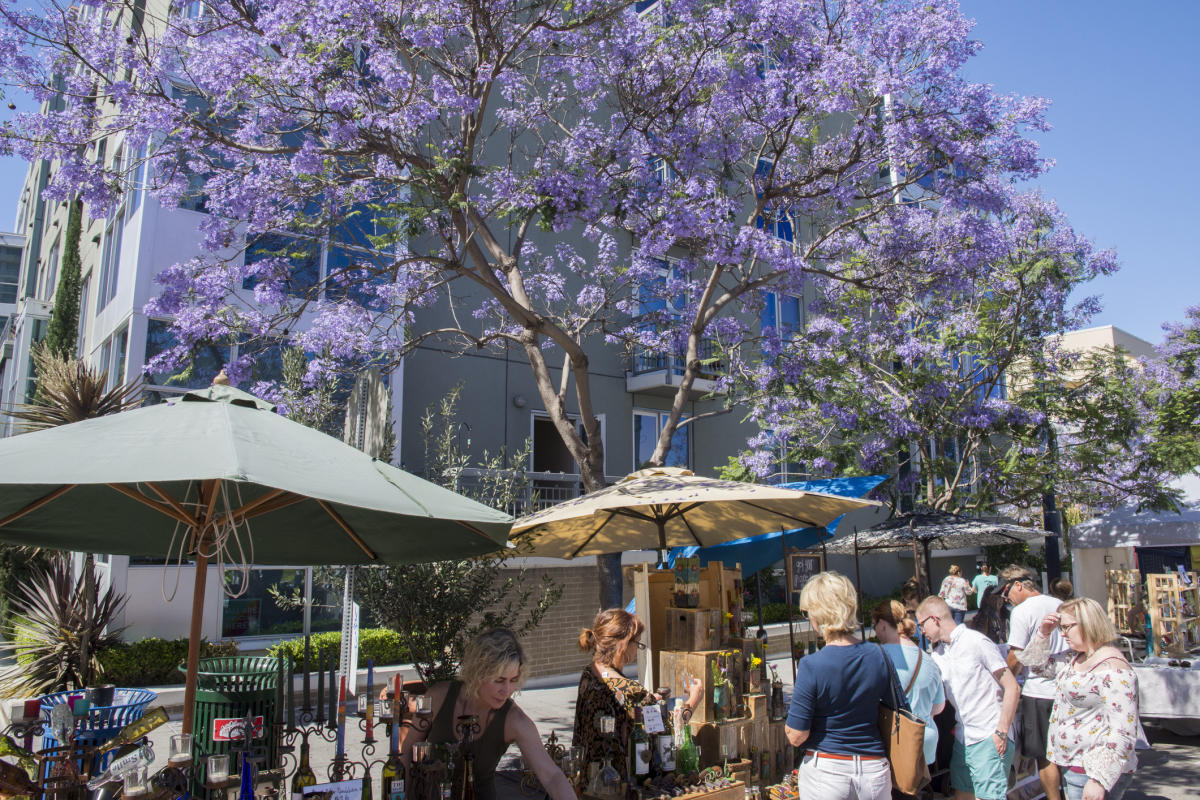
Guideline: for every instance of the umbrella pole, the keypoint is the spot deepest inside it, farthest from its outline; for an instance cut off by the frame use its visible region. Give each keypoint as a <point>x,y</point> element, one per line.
<point>201,582</point>
<point>194,634</point>
<point>862,628</point>
<point>788,576</point>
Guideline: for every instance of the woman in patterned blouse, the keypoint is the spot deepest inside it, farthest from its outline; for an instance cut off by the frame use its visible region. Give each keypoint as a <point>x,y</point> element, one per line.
<point>613,640</point>
<point>1094,724</point>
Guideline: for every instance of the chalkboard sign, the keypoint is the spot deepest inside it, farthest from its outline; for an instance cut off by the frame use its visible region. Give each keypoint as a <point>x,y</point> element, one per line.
<point>801,567</point>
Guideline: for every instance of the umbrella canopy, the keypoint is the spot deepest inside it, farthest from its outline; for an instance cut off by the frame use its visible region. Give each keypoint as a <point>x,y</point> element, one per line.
<point>664,507</point>
<point>756,552</point>
<point>935,530</point>
<point>117,484</point>
<point>220,473</point>
<point>1127,527</point>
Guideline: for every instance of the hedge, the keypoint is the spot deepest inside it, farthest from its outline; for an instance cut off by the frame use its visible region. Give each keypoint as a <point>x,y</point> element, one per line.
<point>381,644</point>
<point>154,662</point>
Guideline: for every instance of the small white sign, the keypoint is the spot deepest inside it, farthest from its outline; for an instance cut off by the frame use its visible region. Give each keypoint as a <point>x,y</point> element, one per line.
<point>652,719</point>
<point>342,790</point>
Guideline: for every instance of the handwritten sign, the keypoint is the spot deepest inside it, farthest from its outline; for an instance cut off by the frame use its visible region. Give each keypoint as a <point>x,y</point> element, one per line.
<point>342,790</point>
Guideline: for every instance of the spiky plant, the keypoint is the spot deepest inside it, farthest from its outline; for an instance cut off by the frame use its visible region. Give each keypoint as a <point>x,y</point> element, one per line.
<point>69,391</point>
<point>53,619</point>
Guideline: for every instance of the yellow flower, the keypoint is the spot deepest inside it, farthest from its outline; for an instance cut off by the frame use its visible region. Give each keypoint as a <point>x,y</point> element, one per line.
<point>755,662</point>
<point>728,615</point>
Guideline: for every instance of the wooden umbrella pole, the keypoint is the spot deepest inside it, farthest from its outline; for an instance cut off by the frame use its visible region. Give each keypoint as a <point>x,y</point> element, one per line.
<point>194,635</point>
<point>208,494</point>
<point>787,576</point>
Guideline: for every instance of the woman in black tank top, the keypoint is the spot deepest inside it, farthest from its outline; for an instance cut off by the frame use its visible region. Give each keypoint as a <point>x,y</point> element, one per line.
<point>492,670</point>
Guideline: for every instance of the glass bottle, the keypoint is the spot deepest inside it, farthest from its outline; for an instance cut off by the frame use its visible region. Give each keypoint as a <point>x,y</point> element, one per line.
<point>246,792</point>
<point>466,790</point>
<point>687,756</point>
<point>135,730</point>
<point>639,749</point>
<point>367,791</point>
<point>392,775</point>
<point>304,773</point>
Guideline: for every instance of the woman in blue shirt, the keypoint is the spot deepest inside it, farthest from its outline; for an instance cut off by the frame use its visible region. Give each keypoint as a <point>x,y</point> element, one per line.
<point>920,677</point>
<point>835,701</point>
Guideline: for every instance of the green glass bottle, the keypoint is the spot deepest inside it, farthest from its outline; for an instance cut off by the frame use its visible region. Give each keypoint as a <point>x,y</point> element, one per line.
<point>135,730</point>
<point>304,773</point>
<point>687,755</point>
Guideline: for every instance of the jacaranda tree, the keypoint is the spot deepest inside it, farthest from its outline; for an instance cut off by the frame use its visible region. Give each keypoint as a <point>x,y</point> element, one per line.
<point>967,394</point>
<point>523,170</point>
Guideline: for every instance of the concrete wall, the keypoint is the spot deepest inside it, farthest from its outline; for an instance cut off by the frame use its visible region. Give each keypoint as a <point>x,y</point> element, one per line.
<point>1088,566</point>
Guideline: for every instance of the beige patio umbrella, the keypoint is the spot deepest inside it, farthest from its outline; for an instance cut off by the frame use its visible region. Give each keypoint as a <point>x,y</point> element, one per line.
<point>664,507</point>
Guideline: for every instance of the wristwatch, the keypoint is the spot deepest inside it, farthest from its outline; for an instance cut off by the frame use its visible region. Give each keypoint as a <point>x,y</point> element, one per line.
<point>1003,734</point>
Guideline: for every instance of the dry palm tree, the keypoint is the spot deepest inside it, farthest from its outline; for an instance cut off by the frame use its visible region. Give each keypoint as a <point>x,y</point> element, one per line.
<point>69,391</point>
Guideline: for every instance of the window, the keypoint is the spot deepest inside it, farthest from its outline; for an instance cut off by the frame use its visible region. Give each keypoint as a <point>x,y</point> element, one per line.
<point>50,273</point>
<point>646,427</point>
<point>303,255</point>
<point>781,312</point>
<point>206,363</point>
<point>255,612</point>
<point>110,259</point>
<point>10,273</point>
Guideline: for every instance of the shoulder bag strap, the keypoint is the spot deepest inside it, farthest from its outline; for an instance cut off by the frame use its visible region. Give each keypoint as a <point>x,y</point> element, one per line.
<point>893,678</point>
<point>916,671</point>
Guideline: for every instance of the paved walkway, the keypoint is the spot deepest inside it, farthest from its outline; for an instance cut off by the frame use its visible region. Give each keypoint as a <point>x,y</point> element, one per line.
<point>1169,771</point>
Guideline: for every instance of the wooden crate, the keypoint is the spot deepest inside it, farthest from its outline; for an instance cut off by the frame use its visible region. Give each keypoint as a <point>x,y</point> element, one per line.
<point>1174,606</point>
<point>675,667</point>
<point>692,629</point>
<point>1126,603</point>
<point>721,588</point>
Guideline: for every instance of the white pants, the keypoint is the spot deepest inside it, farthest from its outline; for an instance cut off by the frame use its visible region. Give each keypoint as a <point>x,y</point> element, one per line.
<point>838,779</point>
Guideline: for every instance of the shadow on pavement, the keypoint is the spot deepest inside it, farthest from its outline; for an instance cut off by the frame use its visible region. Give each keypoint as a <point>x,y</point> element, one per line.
<point>1168,771</point>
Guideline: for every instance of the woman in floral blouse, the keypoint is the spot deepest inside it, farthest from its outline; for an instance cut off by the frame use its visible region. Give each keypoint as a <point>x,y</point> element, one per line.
<point>613,641</point>
<point>954,591</point>
<point>1094,724</point>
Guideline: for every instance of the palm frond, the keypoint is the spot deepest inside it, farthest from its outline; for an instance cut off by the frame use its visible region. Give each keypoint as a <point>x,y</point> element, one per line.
<point>53,618</point>
<point>70,391</point>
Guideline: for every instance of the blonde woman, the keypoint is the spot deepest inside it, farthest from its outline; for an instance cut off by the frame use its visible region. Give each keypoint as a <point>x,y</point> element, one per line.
<point>835,701</point>
<point>1094,722</point>
<point>954,591</point>
<point>492,671</point>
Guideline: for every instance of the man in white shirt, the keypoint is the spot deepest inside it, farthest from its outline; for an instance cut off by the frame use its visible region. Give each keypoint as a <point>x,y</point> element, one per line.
<point>985,696</point>
<point>1030,607</point>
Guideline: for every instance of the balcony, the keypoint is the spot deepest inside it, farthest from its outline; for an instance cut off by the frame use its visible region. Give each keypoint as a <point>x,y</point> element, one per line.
<point>660,374</point>
<point>542,489</point>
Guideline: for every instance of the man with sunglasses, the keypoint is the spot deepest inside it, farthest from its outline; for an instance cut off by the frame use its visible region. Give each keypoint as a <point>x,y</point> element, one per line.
<point>1030,607</point>
<point>984,693</point>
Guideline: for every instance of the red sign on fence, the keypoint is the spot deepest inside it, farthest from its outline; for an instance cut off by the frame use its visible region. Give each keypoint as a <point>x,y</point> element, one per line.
<point>228,730</point>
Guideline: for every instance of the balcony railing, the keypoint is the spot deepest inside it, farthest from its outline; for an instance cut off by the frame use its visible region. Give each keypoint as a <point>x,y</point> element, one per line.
<point>644,361</point>
<point>540,489</point>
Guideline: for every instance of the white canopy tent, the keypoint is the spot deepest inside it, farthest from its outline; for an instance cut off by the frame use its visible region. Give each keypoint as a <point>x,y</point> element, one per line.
<point>1108,542</point>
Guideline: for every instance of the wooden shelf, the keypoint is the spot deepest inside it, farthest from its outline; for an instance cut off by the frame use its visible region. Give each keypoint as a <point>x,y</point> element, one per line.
<point>1126,601</point>
<point>1167,595</point>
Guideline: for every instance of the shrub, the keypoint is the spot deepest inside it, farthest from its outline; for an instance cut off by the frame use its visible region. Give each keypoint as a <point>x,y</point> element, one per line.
<point>153,661</point>
<point>383,645</point>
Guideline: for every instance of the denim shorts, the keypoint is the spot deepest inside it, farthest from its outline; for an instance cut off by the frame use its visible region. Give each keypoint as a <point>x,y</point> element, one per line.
<point>979,770</point>
<point>1073,783</point>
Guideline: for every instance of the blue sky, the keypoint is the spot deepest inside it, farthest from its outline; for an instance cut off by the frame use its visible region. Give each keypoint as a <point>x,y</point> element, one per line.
<point>1122,80</point>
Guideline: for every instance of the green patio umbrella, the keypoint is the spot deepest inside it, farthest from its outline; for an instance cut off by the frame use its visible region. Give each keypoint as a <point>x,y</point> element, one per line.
<point>222,476</point>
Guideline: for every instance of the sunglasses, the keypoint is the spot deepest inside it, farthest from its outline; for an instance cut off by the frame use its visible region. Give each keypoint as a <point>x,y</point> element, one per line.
<point>1008,587</point>
<point>923,621</point>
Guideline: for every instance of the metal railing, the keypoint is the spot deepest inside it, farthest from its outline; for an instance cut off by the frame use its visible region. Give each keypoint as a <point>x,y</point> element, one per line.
<point>537,490</point>
<point>644,360</point>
